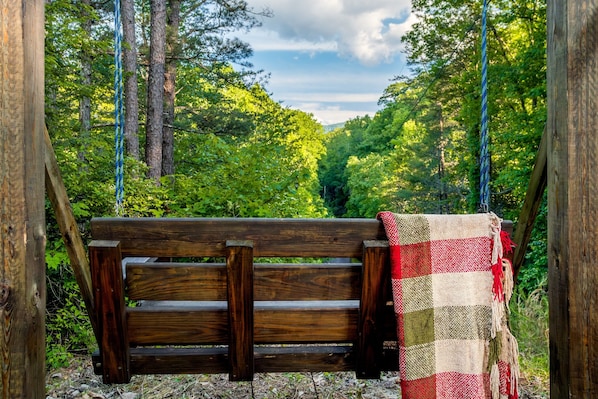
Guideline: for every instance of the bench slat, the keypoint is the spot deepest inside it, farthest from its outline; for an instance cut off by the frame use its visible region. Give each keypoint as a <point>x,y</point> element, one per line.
<point>166,281</point>
<point>215,360</point>
<point>306,324</point>
<point>178,326</point>
<point>272,282</point>
<point>272,325</point>
<point>187,237</point>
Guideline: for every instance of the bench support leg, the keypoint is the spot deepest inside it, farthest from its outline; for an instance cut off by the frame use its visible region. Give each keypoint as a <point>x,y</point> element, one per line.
<point>373,301</point>
<point>109,301</point>
<point>239,269</point>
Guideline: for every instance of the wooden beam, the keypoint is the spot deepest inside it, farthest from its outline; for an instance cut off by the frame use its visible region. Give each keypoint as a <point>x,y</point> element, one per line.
<point>109,298</point>
<point>531,206</point>
<point>572,126</point>
<point>376,272</point>
<point>239,271</point>
<point>22,219</point>
<point>68,228</point>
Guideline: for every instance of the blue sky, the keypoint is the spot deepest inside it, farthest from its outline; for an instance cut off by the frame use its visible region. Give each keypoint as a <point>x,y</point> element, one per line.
<point>331,58</point>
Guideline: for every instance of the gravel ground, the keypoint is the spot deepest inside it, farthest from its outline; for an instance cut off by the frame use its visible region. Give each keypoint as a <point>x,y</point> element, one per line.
<point>78,381</point>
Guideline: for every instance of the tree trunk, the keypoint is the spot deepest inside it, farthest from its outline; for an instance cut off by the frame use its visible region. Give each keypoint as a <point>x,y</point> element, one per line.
<point>130,69</point>
<point>442,192</point>
<point>85,75</point>
<point>22,218</point>
<point>170,88</point>
<point>155,90</point>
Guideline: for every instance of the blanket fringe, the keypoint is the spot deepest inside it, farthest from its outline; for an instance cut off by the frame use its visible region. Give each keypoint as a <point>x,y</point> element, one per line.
<point>497,274</point>
<point>511,353</point>
<point>495,381</point>
<point>502,289</point>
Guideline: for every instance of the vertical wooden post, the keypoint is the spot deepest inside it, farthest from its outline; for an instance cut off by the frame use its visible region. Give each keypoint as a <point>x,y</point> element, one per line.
<point>22,219</point>
<point>375,275</point>
<point>107,277</point>
<point>572,197</point>
<point>239,271</point>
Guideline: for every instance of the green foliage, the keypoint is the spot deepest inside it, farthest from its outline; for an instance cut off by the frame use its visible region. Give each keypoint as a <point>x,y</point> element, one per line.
<point>331,170</point>
<point>371,180</point>
<point>529,324</point>
<point>420,152</point>
<point>238,153</point>
<point>269,169</point>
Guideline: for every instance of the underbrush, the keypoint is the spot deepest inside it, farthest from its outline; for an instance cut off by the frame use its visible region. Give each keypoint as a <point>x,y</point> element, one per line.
<point>529,324</point>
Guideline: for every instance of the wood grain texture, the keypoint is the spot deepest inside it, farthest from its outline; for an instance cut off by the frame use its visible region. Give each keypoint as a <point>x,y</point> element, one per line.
<point>376,274</point>
<point>572,189</point>
<point>178,325</point>
<point>239,272</point>
<point>105,258</point>
<point>165,281</point>
<point>307,282</point>
<point>300,324</point>
<point>22,217</point>
<point>207,237</point>
<point>272,282</point>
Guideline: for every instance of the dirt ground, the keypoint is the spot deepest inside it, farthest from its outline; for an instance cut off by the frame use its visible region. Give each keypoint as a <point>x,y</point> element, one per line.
<point>78,381</point>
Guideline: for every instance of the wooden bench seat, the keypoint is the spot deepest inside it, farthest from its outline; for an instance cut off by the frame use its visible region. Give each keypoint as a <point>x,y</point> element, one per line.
<point>248,309</point>
<point>222,296</point>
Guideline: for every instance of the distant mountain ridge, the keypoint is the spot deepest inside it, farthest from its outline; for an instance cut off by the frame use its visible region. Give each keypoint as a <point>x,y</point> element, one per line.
<point>329,128</point>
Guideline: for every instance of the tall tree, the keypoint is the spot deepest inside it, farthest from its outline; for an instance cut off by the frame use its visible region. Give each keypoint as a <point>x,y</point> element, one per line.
<point>130,68</point>
<point>155,90</point>
<point>196,34</point>
<point>85,73</point>
<point>172,45</point>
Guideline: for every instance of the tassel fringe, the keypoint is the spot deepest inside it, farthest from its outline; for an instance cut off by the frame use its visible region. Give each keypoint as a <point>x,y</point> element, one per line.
<point>502,291</point>
<point>495,381</point>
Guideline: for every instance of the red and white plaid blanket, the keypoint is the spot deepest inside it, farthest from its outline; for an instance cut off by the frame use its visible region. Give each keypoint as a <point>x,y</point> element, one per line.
<point>450,289</point>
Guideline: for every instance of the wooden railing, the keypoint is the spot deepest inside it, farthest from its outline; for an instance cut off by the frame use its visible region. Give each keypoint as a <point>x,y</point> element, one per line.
<point>237,316</point>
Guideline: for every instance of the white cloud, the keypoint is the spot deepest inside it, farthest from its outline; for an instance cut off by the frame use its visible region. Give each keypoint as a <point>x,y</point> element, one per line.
<point>369,31</point>
<point>331,115</point>
<point>268,40</point>
<point>337,97</point>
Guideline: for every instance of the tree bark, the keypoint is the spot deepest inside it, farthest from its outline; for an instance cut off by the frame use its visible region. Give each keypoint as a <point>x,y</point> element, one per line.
<point>170,87</point>
<point>155,90</point>
<point>22,217</point>
<point>130,69</point>
<point>85,75</point>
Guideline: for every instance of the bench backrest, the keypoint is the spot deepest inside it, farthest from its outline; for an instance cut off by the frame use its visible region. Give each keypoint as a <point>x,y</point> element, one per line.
<point>247,313</point>
<point>241,316</point>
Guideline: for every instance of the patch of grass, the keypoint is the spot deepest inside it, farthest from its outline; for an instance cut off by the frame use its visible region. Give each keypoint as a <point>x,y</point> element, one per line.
<point>529,324</point>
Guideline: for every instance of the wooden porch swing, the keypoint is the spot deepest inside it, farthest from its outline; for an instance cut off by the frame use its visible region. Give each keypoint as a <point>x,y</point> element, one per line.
<point>234,316</point>
<point>157,308</point>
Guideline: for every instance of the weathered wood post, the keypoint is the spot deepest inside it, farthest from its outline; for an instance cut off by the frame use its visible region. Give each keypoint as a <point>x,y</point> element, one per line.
<point>22,220</point>
<point>573,197</point>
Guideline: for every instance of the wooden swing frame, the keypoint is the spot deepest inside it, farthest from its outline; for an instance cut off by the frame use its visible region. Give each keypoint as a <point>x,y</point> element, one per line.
<point>571,155</point>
